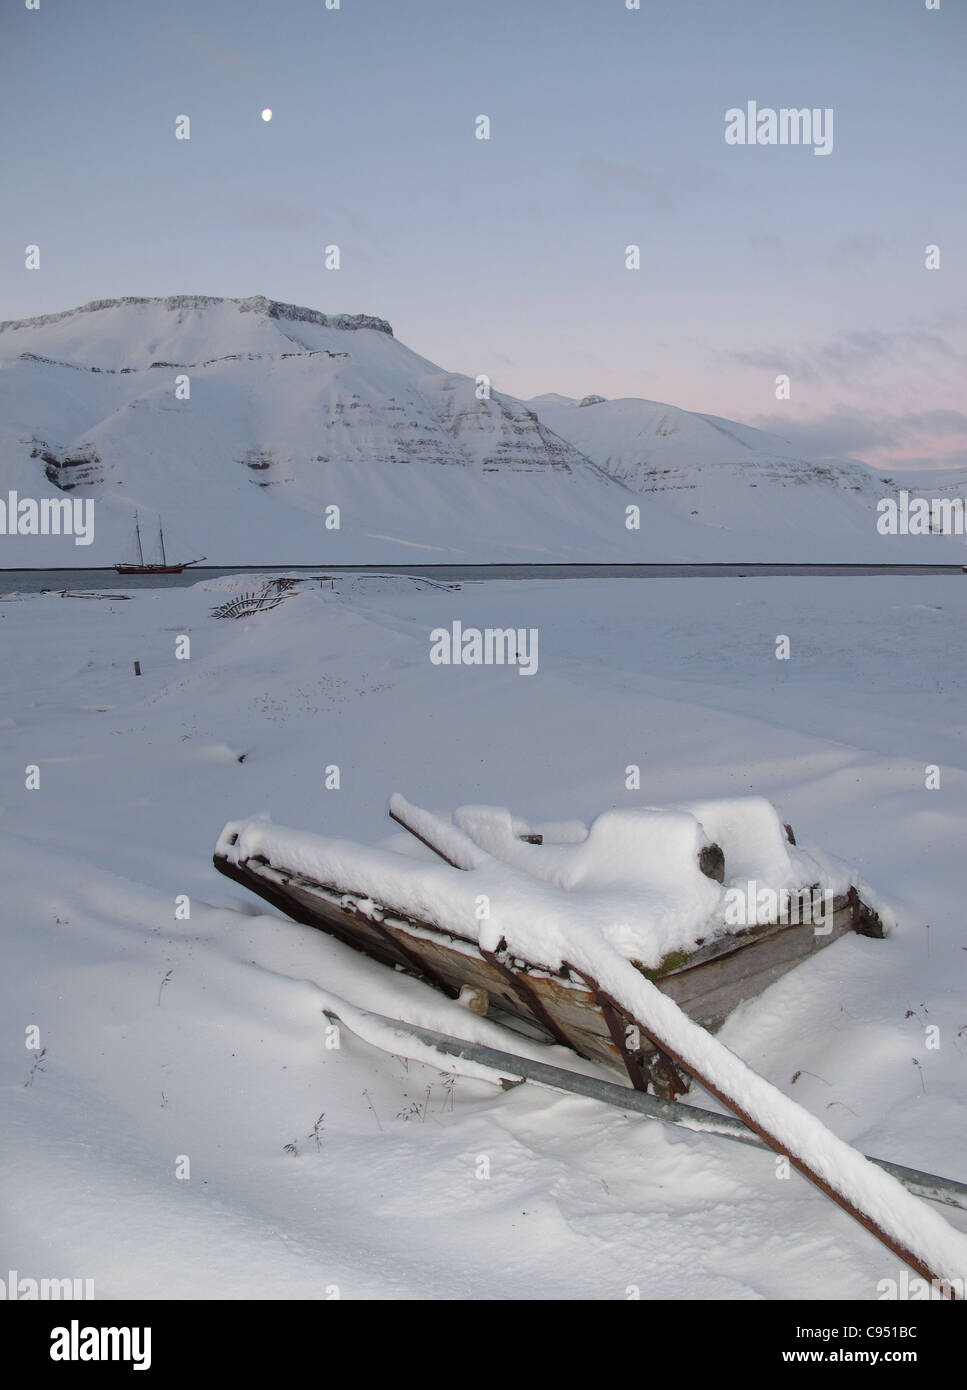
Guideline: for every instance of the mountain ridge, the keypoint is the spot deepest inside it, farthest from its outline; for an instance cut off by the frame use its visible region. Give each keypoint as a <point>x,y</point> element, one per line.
<point>251,419</point>
<point>259,303</point>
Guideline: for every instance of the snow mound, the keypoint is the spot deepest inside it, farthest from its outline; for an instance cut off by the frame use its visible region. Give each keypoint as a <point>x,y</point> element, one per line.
<point>752,836</point>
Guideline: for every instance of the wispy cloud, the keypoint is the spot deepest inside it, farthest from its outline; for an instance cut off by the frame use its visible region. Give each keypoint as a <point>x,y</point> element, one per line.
<point>855,253</point>
<point>617,181</point>
<point>608,175</point>
<point>897,440</point>
<point>225,57</point>
<point>851,353</point>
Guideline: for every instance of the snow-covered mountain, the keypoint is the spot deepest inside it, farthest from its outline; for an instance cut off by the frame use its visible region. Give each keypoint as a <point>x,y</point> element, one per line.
<point>730,480</point>
<point>243,423</point>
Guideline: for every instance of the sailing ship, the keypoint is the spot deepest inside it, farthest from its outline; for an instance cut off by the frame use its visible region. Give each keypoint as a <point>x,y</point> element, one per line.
<point>144,567</point>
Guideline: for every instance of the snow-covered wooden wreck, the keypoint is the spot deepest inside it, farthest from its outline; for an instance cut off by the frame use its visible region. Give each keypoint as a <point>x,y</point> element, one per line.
<point>710,902</point>
<point>630,941</point>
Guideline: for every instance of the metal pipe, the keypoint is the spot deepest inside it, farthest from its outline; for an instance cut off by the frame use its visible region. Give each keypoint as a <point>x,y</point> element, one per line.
<point>929,1185</point>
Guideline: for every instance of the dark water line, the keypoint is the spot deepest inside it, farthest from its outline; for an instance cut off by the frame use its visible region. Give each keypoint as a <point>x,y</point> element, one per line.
<point>35,580</point>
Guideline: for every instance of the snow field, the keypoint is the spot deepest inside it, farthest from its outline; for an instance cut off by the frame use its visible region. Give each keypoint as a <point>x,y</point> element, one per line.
<point>227,1063</point>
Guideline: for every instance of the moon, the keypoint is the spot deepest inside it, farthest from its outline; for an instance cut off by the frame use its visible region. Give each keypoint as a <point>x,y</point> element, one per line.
<point>267,114</point>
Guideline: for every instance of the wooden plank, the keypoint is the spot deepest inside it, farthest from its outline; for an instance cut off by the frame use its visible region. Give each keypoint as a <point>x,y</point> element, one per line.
<point>747,936</point>
<point>710,991</point>
<point>708,985</point>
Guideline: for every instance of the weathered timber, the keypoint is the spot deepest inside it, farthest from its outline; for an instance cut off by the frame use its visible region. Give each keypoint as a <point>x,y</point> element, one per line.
<point>716,980</point>
<point>707,985</point>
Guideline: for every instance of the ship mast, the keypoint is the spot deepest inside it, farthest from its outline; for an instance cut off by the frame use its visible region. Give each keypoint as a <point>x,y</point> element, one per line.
<point>138,530</point>
<point>162,535</point>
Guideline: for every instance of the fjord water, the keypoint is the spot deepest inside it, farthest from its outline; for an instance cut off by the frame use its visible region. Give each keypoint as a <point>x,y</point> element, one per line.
<point>36,581</point>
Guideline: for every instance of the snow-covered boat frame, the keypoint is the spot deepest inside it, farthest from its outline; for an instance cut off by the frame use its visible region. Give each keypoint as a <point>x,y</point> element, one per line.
<point>707,983</point>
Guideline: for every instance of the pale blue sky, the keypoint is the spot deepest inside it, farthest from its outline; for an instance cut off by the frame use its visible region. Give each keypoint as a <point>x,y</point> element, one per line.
<point>507,256</point>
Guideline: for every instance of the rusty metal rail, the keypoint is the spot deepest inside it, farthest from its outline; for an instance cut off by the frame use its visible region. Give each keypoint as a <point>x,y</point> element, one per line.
<point>460,852</point>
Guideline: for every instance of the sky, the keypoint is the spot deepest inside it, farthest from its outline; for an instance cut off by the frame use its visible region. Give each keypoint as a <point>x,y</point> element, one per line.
<point>507,256</point>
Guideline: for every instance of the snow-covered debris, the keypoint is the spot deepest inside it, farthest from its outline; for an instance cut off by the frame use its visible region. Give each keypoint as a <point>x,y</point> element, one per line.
<point>642,863</point>
<point>634,881</point>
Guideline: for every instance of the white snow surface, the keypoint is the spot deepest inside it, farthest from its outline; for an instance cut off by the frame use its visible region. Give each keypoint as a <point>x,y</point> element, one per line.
<point>204,1036</point>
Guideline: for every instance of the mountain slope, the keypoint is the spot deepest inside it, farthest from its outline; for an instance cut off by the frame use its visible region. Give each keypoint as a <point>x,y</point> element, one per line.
<point>245,423</point>
<point>290,412</point>
<point>731,480</point>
